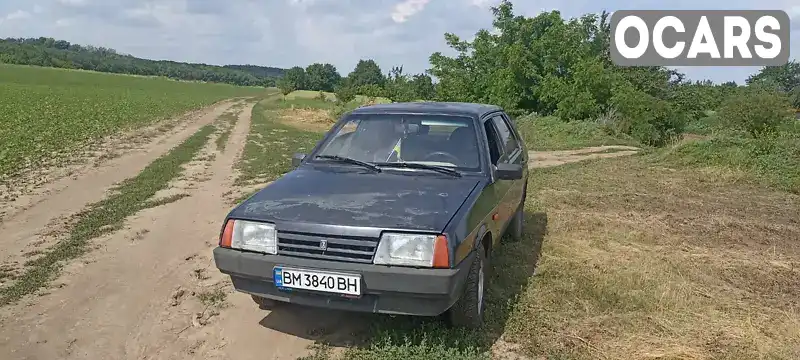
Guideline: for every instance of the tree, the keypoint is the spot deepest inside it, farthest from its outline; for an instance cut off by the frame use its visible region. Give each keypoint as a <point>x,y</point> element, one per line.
<point>345,92</point>
<point>321,77</point>
<point>286,85</point>
<point>371,90</point>
<point>398,87</point>
<point>555,66</point>
<point>422,85</point>
<point>295,78</point>
<point>785,78</point>
<point>366,72</point>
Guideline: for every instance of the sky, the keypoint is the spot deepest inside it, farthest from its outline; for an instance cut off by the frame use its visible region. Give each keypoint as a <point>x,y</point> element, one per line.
<point>286,33</point>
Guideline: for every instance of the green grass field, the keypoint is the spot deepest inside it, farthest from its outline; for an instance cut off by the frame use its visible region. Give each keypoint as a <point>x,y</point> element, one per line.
<point>259,165</point>
<point>46,113</point>
<point>551,133</point>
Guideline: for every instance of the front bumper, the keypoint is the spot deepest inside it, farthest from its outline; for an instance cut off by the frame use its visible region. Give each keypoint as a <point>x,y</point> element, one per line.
<point>385,289</point>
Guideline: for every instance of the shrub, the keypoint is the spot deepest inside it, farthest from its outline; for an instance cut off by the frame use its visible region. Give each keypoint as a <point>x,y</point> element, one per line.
<point>772,158</point>
<point>552,133</point>
<point>371,90</point>
<point>649,120</point>
<point>345,94</point>
<point>340,109</point>
<point>756,110</point>
<point>705,125</point>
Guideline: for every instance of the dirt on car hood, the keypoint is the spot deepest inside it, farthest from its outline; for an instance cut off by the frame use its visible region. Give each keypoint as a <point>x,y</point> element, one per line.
<point>353,198</point>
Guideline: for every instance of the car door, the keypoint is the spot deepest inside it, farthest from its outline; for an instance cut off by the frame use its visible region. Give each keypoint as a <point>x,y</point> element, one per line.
<point>495,193</point>
<point>519,185</point>
<point>512,154</point>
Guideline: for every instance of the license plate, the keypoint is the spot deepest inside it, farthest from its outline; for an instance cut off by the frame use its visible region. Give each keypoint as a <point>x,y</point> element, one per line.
<point>315,280</point>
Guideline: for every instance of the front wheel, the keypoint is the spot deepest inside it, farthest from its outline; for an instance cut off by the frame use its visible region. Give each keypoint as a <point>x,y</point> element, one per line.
<point>468,310</point>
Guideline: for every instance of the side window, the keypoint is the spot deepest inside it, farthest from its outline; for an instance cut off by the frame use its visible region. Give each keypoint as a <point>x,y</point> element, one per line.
<point>506,137</point>
<point>494,142</point>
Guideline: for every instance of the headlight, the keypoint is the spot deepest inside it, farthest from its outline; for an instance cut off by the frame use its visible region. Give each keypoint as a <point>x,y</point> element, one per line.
<point>412,250</point>
<point>253,236</point>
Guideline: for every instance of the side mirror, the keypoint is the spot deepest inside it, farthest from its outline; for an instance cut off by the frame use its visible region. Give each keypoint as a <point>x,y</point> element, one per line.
<point>509,171</point>
<point>297,159</point>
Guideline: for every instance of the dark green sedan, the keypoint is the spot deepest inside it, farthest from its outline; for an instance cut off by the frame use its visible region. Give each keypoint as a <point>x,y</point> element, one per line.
<point>396,211</point>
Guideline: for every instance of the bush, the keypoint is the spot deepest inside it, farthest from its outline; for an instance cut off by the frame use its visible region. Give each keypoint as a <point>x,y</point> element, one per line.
<point>342,108</point>
<point>345,94</point>
<point>705,125</point>
<point>649,120</point>
<point>772,159</point>
<point>371,90</point>
<point>552,133</point>
<point>757,110</point>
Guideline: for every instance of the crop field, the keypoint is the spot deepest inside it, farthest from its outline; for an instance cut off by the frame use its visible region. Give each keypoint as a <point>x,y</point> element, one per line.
<point>45,113</point>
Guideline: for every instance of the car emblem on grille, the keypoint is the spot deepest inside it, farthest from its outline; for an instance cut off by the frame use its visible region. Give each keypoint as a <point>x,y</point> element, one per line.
<point>323,244</point>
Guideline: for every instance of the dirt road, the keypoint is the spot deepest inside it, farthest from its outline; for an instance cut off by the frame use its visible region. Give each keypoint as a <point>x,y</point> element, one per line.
<point>151,291</point>
<point>560,157</point>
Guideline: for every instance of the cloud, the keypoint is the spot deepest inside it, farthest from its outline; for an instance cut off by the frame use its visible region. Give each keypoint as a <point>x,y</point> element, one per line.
<point>63,22</point>
<point>794,17</point>
<point>407,8</point>
<point>484,3</point>
<point>18,15</point>
<point>74,2</point>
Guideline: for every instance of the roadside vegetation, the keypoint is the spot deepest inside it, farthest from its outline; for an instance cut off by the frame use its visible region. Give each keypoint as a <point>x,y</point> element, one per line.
<point>752,137</point>
<point>551,133</point>
<point>271,143</point>
<point>46,114</point>
<point>106,216</point>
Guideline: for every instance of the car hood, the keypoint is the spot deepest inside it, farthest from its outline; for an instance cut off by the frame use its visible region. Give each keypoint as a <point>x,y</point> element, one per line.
<point>362,199</point>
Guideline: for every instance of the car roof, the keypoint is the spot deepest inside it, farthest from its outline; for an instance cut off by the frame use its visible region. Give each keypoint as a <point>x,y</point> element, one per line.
<point>448,108</point>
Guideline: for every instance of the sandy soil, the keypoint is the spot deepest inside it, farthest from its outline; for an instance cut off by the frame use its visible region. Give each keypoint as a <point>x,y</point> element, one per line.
<point>151,291</point>
<point>539,159</point>
<point>32,219</point>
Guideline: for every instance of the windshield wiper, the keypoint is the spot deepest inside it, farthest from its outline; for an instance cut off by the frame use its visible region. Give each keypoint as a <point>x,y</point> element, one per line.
<point>441,169</point>
<point>349,161</point>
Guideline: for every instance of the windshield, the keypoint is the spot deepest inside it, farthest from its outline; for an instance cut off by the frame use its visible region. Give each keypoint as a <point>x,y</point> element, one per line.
<point>440,140</point>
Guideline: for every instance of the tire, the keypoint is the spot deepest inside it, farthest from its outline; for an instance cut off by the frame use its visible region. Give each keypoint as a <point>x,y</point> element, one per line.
<point>468,310</point>
<point>264,303</point>
<point>516,227</point>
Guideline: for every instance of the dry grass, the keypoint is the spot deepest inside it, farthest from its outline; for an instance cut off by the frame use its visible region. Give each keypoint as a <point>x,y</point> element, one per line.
<point>309,119</point>
<point>646,262</point>
<point>308,94</point>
